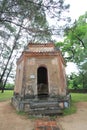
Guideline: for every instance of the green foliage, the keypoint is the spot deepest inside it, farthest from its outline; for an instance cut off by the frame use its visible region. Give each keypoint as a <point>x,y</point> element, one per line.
<point>6,95</point>
<point>76,36</point>
<point>77,81</point>
<point>74,82</point>
<point>74,49</point>
<point>75,42</point>
<point>9,86</point>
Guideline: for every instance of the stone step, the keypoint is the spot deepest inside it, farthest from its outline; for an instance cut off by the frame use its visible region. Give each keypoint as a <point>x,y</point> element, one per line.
<point>43,104</point>
<point>45,112</point>
<point>45,107</point>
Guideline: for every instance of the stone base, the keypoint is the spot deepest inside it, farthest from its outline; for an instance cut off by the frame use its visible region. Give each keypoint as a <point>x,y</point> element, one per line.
<point>41,106</point>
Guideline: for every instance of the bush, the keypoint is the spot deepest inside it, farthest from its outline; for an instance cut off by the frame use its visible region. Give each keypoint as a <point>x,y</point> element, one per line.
<point>9,86</point>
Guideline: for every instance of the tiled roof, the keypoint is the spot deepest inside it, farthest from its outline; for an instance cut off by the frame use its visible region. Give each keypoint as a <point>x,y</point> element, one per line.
<point>38,47</point>
<point>35,50</point>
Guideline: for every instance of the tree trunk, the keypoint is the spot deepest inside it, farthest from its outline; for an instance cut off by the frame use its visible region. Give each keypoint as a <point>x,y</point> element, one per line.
<point>2,91</point>
<point>1,86</point>
<point>9,71</point>
<point>14,45</point>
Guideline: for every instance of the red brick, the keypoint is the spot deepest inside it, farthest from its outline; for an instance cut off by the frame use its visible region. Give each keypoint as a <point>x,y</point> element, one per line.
<point>45,125</point>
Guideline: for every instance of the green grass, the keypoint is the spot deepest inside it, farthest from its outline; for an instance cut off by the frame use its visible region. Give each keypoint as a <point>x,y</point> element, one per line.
<point>22,113</point>
<point>71,110</point>
<point>79,97</point>
<point>75,97</point>
<point>6,95</point>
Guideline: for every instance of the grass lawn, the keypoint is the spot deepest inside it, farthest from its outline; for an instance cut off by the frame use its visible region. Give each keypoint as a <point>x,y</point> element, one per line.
<point>6,95</point>
<point>79,97</point>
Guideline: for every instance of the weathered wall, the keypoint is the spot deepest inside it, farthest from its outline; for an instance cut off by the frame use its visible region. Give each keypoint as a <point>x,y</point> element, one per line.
<point>62,77</point>
<point>56,79</point>
<point>19,77</point>
<point>36,56</point>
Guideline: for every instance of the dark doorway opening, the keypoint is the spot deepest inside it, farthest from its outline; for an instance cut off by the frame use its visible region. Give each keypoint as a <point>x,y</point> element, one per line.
<point>42,82</point>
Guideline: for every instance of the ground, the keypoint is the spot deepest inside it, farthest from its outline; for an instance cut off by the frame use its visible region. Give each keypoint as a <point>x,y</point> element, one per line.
<point>77,121</point>
<point>10,120</point>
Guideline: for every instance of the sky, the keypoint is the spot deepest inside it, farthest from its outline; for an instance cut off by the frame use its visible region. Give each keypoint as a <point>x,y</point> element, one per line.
<point>77,8</point>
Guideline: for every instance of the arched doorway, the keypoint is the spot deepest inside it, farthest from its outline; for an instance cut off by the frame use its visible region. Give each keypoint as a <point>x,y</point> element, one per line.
<point>42,81</point>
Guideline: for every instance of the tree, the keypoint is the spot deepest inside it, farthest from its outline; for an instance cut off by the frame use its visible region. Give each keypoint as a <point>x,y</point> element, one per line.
<point>74,46</point>
<point>76,37</point>
<point>75,81</point>
<point>22,21</point>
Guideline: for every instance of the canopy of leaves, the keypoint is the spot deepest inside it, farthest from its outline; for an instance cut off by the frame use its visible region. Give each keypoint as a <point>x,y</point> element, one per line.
<point>75,43</point>
<point>74,47</point>
<point>22,21</point>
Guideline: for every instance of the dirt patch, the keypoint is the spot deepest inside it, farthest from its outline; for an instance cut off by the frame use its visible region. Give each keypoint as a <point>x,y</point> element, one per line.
<point>10,120</point>
<point>77,121</point>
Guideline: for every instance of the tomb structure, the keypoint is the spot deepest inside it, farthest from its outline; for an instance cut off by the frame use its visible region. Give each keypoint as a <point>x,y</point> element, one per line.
<point>40,84</point>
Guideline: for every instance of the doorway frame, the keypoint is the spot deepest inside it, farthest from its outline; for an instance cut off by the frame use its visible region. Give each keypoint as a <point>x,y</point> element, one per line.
<point>43,66</point>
